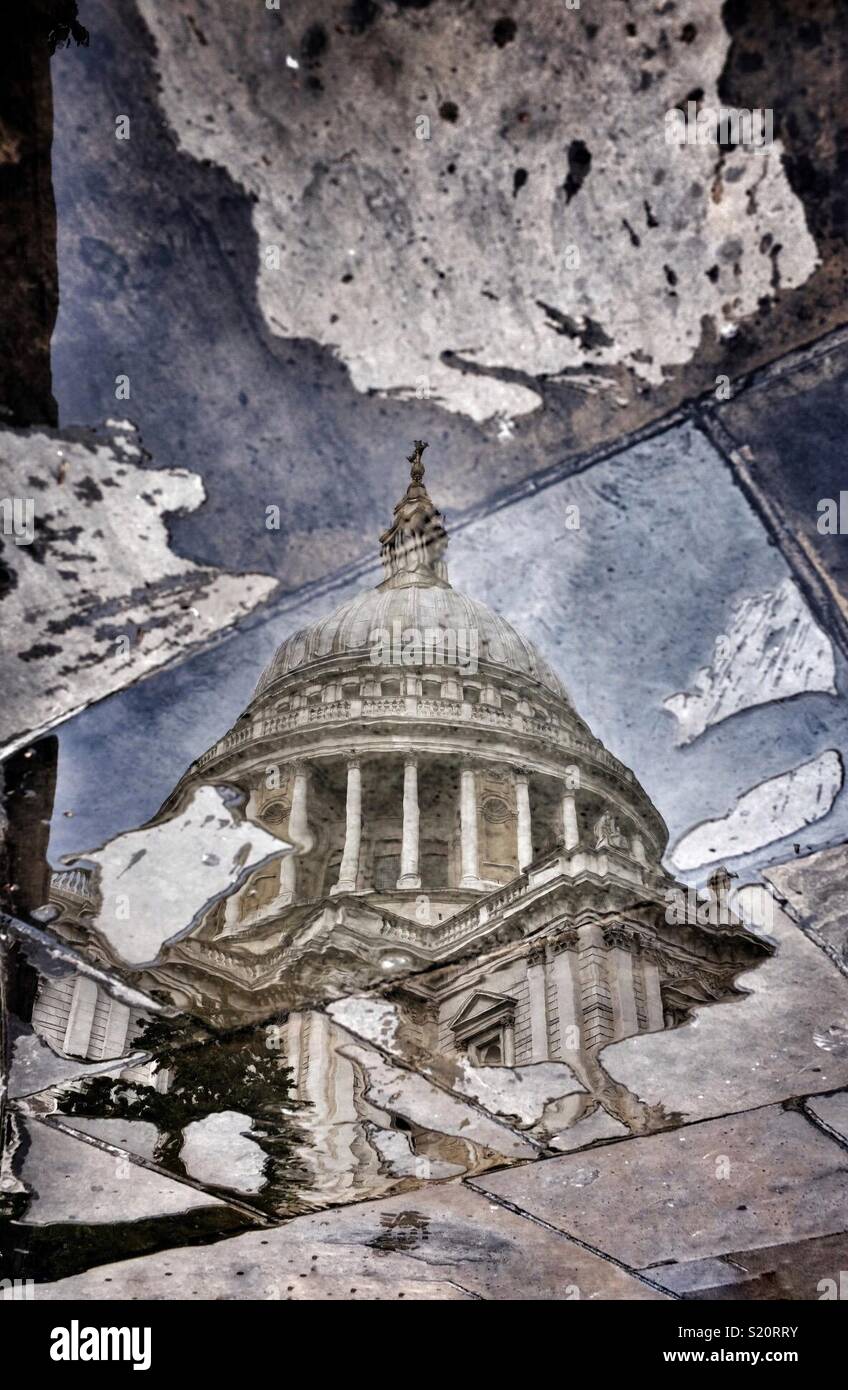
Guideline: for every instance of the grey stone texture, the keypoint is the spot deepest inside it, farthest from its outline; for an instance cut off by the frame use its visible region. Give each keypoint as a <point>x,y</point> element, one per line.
<point>449,1243</point>
<point>267,291</point>
<point>749,1180</point>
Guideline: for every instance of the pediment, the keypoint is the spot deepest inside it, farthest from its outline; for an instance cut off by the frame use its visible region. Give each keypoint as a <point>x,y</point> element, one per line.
<point>483,1005</point>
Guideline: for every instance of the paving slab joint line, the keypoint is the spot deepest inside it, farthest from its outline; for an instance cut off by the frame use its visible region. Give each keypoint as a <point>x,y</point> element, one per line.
<point>568,1236</point>
<point>812,578</point>
<point>200,646</point>
<point>808,930</point>
<point>132,1059</point>
<point>785,365</point>
<point>692,408</point>
<point>106,975</point>
<point>825,1128</point>
<point>53,1122</point>
<point>469,1293</point>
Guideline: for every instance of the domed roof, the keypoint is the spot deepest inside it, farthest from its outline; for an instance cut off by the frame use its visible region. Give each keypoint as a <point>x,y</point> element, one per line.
<point>353,629</point>
<point>415,594</point>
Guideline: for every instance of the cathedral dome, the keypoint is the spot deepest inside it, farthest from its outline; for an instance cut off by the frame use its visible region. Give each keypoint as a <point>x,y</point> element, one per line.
<point>420,608</point>
<point>415,671</point>
<point>414,613</point>
<point>436,794</point>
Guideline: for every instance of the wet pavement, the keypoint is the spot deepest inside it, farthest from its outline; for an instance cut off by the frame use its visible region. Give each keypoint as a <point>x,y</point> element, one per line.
<point>360,981</point>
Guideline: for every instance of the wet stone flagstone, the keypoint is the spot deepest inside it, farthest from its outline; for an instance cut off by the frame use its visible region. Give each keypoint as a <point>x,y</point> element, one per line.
<point>747,1181</point>
<point>806,1270</point>
<point>815,890</point>
<point>446,1243</point>
<point>785,1036</point>
<point>216,1087</point>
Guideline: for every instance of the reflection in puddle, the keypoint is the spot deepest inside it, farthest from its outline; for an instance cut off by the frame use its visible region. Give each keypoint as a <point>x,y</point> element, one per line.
<point>191,1094</point>
<point>289,1116</point>
<point>445,840</point>
<point>56,1251</point>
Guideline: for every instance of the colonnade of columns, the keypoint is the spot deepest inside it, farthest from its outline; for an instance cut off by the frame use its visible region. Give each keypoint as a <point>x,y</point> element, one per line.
<point>298,831</point>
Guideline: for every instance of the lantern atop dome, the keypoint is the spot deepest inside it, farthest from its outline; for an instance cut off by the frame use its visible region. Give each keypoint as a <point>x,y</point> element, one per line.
<point>413,548</point>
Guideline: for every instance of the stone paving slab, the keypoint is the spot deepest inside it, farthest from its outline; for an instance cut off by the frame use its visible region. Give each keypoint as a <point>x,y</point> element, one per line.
<point>832,1111</point>
<point>445,1243</point>
<point>790,429</point>
<point>74,1181</point>
<point>181,174</point>
<point>758,1179</point>
<point>95,596</point>
<point>363,1126</point>
<point>784,1036</point>
<point>806,1269</point>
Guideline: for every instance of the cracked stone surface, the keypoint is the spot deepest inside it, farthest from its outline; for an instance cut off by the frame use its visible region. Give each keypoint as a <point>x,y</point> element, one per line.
<point>96,598</point>
<point>472,258</point>
<point>287,284</point>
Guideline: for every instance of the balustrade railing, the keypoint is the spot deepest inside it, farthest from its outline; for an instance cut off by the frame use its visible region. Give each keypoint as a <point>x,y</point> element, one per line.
<point>417,708</point>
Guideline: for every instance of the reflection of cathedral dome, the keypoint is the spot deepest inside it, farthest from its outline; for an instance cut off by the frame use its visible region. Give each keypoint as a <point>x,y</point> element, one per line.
<point>460,841</point>
<point>416,600</point>
<point>349,631</point>
<point>414,672</point>
<point>443,797</point>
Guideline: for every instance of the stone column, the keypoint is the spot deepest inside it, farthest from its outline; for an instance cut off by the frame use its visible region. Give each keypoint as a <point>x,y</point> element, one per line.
<point>409,845</point>
<point>298,824</point>
<point>653,995</point>
<point>568,1005</point>
<point>622,992</point>
<point>570,832</point>
<point>536,989</point>
<point>117,1027</point>
<point>468,827</point>
<point>81,1017</point>
<point>298,834</point>
<point>597,1025</point>
<point>349,867</point>
<point>637,849</point>
<point>525,829</point>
